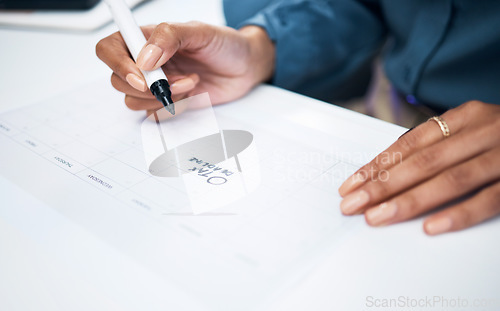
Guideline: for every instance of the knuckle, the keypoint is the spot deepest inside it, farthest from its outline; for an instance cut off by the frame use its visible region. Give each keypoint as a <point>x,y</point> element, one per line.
<point>492,208</point>
<point>166,34</point>
<point>371,171</point>
<point>115,81</point>
<point>458,177</point>
<point>425,160</point>
<point>408,141</point>
<point>362,174</point>
<point>165,28</point>
<point>131,103</point>
<point>381,160</point>
<point>409,206</point>
<point>488,162</point>
<point>100,47</point>
<point>378,190</point>
<point>121,69</point>
<point>473,107</point>
<point>375,166</point>
<point>106,45</point>
<point>464,217</point>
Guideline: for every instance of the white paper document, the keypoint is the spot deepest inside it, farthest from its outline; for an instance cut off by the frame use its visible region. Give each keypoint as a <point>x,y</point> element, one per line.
<point>228,231</point>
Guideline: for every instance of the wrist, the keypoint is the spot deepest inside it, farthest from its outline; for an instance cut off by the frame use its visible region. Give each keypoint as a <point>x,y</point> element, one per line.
<point>261,54</point>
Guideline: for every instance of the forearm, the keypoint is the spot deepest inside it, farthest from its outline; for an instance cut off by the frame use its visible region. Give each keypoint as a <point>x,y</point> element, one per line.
<point>323,48</point>
<point>262,54</point>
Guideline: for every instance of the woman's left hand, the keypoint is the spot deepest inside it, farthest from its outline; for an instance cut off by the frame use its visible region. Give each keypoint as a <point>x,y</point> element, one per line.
<point>424,170</point>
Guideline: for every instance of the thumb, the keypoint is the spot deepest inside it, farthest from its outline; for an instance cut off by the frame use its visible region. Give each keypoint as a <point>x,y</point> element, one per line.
<point>167,39</point>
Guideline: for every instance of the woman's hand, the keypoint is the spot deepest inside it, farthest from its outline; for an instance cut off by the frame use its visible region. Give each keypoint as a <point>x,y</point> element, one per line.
<point>423,170</point>
<point>196,58</point>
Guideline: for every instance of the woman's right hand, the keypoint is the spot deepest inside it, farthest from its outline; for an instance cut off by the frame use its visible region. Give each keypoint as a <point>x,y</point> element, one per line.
<point>196,58</point>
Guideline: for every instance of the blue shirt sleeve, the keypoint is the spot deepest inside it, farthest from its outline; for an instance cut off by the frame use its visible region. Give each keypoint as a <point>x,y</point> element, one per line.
<point>441,53</point>
<point>324,48</point>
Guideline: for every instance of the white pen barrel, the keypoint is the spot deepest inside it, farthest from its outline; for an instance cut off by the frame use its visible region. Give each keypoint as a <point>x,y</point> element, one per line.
<point>133,36</point>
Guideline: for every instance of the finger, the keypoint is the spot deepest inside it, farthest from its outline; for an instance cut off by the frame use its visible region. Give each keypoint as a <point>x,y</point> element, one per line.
<point>482,206</point>
<point>185,84</point>
<point>113,51</point>
<point>419,167</point>
<point>125,87</point>
<point>422,136</point>
<point>137,103</point>
<point>180,84</point>
<point>151,103</point>
<point>179,97</point>
<point>167,39</point>
<point>448,185</point>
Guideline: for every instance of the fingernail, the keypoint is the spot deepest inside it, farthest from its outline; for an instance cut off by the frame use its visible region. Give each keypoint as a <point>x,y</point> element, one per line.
<point>182,85</point>
<point>381,214</point>
<point>437,226</point>
<point>354,201</point>
<point>351,183</point>
<point>136,82</point>
<point>148,57</point>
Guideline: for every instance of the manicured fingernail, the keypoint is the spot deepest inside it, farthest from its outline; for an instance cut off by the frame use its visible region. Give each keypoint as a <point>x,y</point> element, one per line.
<point>381,214</point>
<point>182,85</point>
<point>437,226</point>
<point>351,183</point>
<point>148,57</point>
<point>136,82</point>
<point>354,201</point>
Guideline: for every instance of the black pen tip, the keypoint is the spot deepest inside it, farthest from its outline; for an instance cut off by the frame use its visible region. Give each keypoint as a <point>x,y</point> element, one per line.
<point>161,90</point>
<point>171,108</point>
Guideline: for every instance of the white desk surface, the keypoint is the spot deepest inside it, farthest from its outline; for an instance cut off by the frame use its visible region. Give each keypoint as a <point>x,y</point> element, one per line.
<point>395,262</point>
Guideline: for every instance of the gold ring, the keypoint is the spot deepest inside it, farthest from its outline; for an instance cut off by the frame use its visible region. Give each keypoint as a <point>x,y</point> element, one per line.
<point>442,125</point>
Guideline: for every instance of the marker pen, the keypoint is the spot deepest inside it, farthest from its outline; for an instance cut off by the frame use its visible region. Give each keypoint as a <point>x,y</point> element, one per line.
<point>135,40</point>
